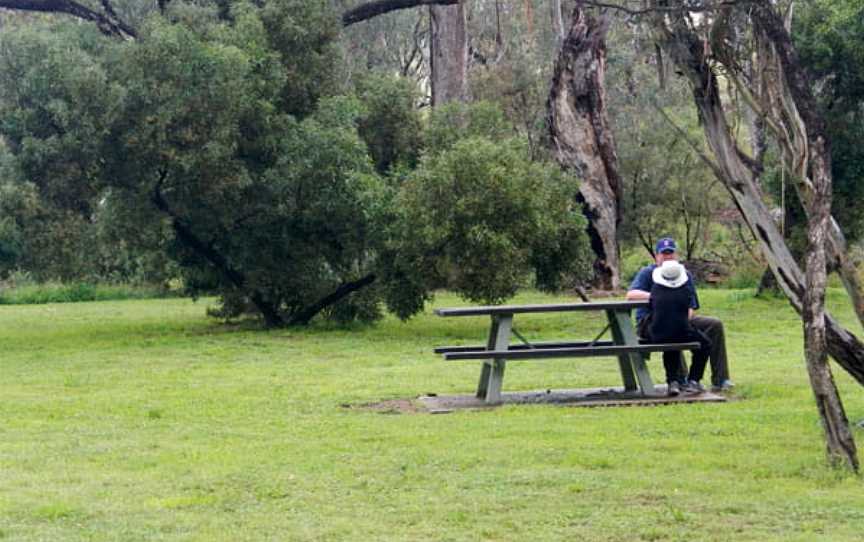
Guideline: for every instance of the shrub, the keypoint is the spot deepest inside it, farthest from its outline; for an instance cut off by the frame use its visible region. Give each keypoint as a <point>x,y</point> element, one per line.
<point>481,218</point>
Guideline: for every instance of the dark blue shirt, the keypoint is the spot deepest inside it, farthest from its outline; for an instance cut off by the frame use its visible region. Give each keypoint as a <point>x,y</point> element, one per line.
<point>643,281</point>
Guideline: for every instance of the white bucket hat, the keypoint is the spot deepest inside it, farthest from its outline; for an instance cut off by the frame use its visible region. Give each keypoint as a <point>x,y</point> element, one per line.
<point>670,274</point>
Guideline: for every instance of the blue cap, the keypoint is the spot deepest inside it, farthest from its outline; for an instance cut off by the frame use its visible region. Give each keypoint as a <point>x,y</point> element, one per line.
<point>667,244</point>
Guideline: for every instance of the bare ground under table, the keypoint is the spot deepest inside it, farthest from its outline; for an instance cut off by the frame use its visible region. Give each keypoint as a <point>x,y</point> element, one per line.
<point>586,397</point>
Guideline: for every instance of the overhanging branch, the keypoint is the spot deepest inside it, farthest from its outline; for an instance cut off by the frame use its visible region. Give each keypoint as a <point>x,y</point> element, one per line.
<point>108,22</point>
<point>380,7</point>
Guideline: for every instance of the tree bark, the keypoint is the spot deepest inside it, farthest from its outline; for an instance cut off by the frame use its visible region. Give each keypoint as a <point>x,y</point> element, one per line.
<point>380,7</point>
<point>805,293</point>
<point>448,56</point>
<point>582,140</point>
<point>840,444</point>
<point>733,168</point>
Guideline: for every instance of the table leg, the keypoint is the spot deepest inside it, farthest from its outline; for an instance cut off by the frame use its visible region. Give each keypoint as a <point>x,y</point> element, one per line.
<point>633,367</point>
<point>492,372</point>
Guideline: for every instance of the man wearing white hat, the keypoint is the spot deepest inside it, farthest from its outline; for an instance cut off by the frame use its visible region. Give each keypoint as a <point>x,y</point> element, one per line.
<point>712,328</point>
<point>670,323</point>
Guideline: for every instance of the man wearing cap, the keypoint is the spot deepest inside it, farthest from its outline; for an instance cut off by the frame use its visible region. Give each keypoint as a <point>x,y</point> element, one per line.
<point>640,288</point>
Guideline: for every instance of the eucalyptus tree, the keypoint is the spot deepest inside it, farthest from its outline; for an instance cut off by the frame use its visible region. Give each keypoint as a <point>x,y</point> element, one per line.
<point>582,140</point>
<point>784,99</point>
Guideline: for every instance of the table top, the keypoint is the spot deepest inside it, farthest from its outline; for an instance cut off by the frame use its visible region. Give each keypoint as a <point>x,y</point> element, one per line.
<point>552,307</point>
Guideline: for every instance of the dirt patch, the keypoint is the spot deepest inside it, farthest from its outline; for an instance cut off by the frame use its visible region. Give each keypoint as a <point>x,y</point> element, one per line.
<point>392,406</point>
<point>593,397</point>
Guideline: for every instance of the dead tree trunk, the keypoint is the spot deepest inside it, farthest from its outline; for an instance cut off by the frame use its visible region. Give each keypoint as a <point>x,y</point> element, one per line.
<point>582,140</point>
<point>805,293</point>
<point>733,168</point>
<point>789,110</point>
<point>448,56</point>
<point>808,153</point>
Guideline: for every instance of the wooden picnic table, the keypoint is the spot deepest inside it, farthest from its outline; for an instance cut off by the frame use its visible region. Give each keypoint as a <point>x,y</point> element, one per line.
<point>625,345</point>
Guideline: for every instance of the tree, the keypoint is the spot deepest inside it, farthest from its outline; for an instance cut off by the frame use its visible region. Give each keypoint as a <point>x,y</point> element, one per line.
<point>829,37</point>
<point>193,131</point>
<point>667,190</point>
<point>787,100</point>
<point>480,217</point>
<point>582,141</point>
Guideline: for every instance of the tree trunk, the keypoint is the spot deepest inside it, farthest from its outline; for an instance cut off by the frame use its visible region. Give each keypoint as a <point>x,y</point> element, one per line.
<point>232,276</point>
<point>582,140</point>
<point>448,56</point>
<point>303,317</point>
<point>839,441</point>
<point>557,21</point>
<point>806,294</point>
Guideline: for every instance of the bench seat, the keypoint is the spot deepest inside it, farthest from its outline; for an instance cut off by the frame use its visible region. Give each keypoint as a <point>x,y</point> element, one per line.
<point>519,352</point>
<point>532,346</point>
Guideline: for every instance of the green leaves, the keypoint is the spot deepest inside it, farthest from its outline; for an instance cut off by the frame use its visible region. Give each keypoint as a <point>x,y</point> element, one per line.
<point>223,145</point>
<point>480,217</point>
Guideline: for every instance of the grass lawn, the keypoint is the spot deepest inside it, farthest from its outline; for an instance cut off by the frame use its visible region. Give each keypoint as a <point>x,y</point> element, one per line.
<point>145,420</point>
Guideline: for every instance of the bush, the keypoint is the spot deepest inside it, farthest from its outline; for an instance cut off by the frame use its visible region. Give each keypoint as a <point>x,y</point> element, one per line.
<point>481,219</point>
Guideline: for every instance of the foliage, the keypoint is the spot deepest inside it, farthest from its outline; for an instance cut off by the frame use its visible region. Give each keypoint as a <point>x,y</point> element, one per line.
<point>390,124</point>
<point>829,36</point>
<point>479,218</point>
<point>304,34</point>
<point>667,190</point>
<point>187,140</point>
<point>453,122</point>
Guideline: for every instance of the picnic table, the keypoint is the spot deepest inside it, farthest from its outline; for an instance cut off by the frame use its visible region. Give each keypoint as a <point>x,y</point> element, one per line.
<point>624,344</point>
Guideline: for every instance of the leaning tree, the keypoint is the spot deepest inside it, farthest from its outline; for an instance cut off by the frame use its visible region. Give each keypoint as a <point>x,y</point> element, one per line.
<point>702,48</point>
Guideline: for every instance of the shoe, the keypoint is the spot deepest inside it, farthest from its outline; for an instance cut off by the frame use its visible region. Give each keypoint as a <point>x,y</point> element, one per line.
<point>694,386</point>
<point>726,385</point>
<point>674,389</point>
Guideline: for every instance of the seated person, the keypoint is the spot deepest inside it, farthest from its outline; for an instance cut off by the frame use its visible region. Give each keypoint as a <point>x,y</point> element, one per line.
<point>670,323</point>
<point>640,288</point>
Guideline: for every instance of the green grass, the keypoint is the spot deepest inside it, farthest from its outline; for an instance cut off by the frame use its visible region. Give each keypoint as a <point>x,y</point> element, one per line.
<point>144,420</point>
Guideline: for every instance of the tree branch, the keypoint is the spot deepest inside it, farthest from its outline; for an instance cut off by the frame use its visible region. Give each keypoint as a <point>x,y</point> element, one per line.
<point>689,8</point>
<point>108,22</point>
<point>380,7</point>
<point>303,317</point>
<point>234,277</point>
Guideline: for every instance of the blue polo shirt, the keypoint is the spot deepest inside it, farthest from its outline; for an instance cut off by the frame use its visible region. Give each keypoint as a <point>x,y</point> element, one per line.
<point>643,281</point>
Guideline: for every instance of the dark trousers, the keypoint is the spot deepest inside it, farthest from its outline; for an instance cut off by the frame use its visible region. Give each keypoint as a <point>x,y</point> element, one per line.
<point>713,329</point>
<point>712,339</point>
